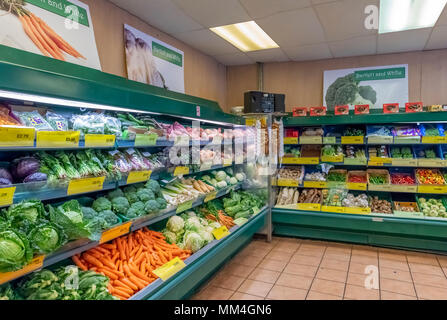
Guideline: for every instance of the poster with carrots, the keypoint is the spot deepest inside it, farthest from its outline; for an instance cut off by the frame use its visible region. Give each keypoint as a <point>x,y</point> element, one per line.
<point>59,29</point>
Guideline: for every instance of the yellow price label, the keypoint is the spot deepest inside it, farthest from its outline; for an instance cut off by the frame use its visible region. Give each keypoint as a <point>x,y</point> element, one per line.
<point>381,160</point>
<point>210,196</point>
<point>407,140</point>
<point>169,269</point>
<point>7,196</point>
<point>355,210</point>
<point>430,163</point>
<point>333,209</point>
<point>379,187</point>
<point>206,166</point>
<point>432,189</point>
<point>332,158</point>
<point>357,186</point>
<point>315,184</point>
<point>227,162</point>
<point>290,140</point>
<point>184,206</point>
<point>182,140</point>
<point>144,140</point>
<point>85,185</point>
<point>381,140</point>
<point>57,139</point>
<point>311,140</point>
<point>220,233</point>
<point>375,163</point>
<point>307,160</point>
<point>434,140</point>
<point>352,140</point>
<point>329,140</point>
<point>138,176</point>
<point>17,137</point>
<point>99,140</point>
<point>404,188</point>
<point>404,162</point>
<point>181,171</point>
<point>354,161</point>
<point>115,232</point>
<point>287,183</point>
<point>309,206</point>
<point>34,265</point>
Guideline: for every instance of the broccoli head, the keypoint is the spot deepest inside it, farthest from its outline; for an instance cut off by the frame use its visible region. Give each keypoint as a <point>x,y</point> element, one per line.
<point>145,195</point>
<point>130,189</point>
<point>88,213</point>
<point>153,185</point>
<point>115,194</point>
<point>151,206</point>
<point>162,203</point>
<point>131,197</point>
<point>368,93</point>
<point>120,205</point>
<point>102,204</point>
<point>342,91</point>
<point>136,209</point>
<point>109,219</point>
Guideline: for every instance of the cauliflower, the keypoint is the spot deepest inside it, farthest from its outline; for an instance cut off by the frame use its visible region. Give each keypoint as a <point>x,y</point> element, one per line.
<point>120,205</point>
<point>175,224</point>
<point>102,204</point>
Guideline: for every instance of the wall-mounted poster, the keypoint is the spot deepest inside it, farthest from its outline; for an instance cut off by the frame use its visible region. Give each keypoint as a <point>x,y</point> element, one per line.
<point>152,61</point>
<point>59,29</point>
<point>374,86</point>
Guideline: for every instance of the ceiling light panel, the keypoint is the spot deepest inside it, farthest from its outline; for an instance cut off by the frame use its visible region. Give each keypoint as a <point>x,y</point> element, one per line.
<point>400,15</point>
<point>246,36</point>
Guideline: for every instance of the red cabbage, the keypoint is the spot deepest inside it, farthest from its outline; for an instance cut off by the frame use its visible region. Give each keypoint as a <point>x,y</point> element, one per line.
<point>35,177</point>
<point>4,174</point>
<point>5,182</point>
<point>26,167</point>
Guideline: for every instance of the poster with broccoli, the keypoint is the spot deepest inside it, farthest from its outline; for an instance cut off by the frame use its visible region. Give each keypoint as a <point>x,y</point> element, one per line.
<point>375,86</point>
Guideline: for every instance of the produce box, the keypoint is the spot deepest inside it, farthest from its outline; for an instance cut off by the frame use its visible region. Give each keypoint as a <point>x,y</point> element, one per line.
<point>408,134</point>
<point>433,207</point>
<point>403,156</point>
<point>379,135</point>
<point>313,135</point>
<point>433,133</point>
<point>378,180</point>
<point>290,177</point>
<point>380,203</point>
<point>356,203</point>
<point>314,178</point>
<point>331,133</point>
<point>379,155</point>
<point>354,155</point>
<point>430,181</point>
<point>337,178</point>
<point>357,180</point>
<point>429,156</point>
<point>311,151</point>
<point>403,180</point>
<point>333,200</point>
<point>310,199</point>
<point>405,206</point>
<point>331,153</point>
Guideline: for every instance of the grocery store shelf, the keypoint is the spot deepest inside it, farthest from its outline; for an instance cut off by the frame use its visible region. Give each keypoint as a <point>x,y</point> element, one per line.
<point>202,265</point>
<point>380,230</point>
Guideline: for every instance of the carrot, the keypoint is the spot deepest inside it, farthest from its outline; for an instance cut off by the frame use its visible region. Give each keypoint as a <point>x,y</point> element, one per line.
<point>108,246</point>
<point>123,289</point>
<point>105,261</point>
<point>129,283</point>
<point>121,293</point>
<point>120,249</point>
<point>78,262</point>
<point>115,256</point>
<point>119,297</point>
<point>115,272</point>
<point>91,259</point>
<point>120,283</point>
<point>141,285</point>
<point>137,273</point>
<point>47,39</point>
<point>111,275</point>
<point>143,268</point>
<point>32,36</point>
<point>39,37</point>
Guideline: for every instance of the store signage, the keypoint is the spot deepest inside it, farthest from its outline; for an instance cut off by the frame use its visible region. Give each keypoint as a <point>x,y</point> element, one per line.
<point>34,265</point>
<point>434,140</point>
<point>57,139</point>
<point>361,109</point>
<point>355,210</point>
<point>373,86</point>
<point>115,232</point>
<point>317,111</point>
<point>329,140</point>
<point>414,107</point>
<point>16,137</point>
<point>287,183</point>
<point>138,176</point>
<point>99,140</point>
<point>332,158</point>
<point>432,189</point>
<point>404,188</point>
<point>302,160</point>
<point>357,186</point>
<point>300,112</point>
<point>404,162</point>
<point>68,22</point>
<point>7,196</point>
<point>354,161</point>
<point>169,269</point>
<point>154,62</point>
<point>85,185</point>
<point>391,108</point>
<point>341,110</point>
<point>333,209</point>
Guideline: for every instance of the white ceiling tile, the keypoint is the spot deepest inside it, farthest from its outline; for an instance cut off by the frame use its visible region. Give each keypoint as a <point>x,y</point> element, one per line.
<point>207,41</point>
<point>293,28</point>
<point>263,8</point>
<point>442,18</point>
<point>438,39</point>
<point>234,59</point>
<point>162,14</point>
<point>310,52</point>
<point>354,47</point>
<point>214,13</point>
<point>344,19</point>
<point>269,55</point>
<point>411,40</point>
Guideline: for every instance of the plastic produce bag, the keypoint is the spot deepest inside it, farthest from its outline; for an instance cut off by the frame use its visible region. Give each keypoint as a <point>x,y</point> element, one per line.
<point>88,123</point>
<point>56,121</point>
<point>34,119</point>
<point>112,126</point>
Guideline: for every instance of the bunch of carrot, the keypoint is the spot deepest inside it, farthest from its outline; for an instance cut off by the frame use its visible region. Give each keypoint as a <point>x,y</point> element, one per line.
<point>129,261</point>
<point>223,219</point>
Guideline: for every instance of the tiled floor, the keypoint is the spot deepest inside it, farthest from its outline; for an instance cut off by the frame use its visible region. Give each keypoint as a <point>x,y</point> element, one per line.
<point>295,269</point>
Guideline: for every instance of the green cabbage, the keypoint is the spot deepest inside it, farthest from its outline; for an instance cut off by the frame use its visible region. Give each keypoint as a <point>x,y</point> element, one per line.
<point>46,237</point>
<point>25,214</point>
<point>206,236</point>
<point>15,251</point>
<point>193,241</point>
<point>193,224</point>
<point>171,237</point>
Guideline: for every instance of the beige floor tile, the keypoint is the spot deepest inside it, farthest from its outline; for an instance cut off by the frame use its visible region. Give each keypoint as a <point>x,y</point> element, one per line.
<point>392,256</point>
<point>287,246</point>
<point>273,265</point>
<point>395,274</point>
<point>257,252</point>
<point>328,287</point>
<point>423,259</point>
<point>365,251</point>
<point>442,260</point>
<point>286,293</point>
<point>244,296</point>
<point>256,288</point>
<point>278,255</point>
<point>290,240</point>
<point>356,279</point>
<point>312,295</point>
<point>361,293</point>
<point>264,275</point>
<point>237,269</point>
<point>430,293</point>
<point>339,248</point>
<point>425,268</point>
<point>393,264</point>
<point>359,267</point>
<point>249,261</point>
<point>385,295</point>
<point>335,264</point>
<point>295,281</point>
<point>226,281</point>
<point>333,275</point>
<point>299,269</point>
<point>401,287</point>
<point>429,280</point>
<point>310,252</point>
<point>214,293</point>
<point>313,246</point>
<point>356,258</point>
<point>339,256</point>
<point>444,269</point>
<point>305,260</point>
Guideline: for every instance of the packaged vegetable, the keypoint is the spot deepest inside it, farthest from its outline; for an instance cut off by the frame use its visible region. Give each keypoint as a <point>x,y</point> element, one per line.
<point>33,119</point>
<point>56,121</point>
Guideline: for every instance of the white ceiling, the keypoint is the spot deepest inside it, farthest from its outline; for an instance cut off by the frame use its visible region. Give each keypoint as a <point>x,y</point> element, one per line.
<point>304,29</point>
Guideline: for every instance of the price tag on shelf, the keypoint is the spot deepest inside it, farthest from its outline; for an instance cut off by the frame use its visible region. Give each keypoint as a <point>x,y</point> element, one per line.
<point>99,140</point>
<point>381,140</point>
<point>227,162</point>
<point>353,140</point>
<point>57,139</point>
<point>332,158</point>
<point>336,184</point>
<point>381,160</point>
<point>375,163</point>
<point>206,166</point>
<point>333,209</point>
<point>357,210</point>
<point>220,233</point>
<point>34,265</point>
<point>407,140</point>
<point>85,185</point>
<point>329,140</point>
<point>431,163</point>
<point>182,140</point>
<point>184,206</point>
<point>181,171</point>
<point>291,140</point>
<point>17,137</point>
<point>169,269</point>
<point>210,196</point>
<point>434,140</point>
<point>315,184</point>
<point>379,187</point>
<point>7,196</point>
<point>287,183</point>
<point>354,161</point>
<point>309,206</point>
<point>115,232</point>
<point>311,140</point>
<point>146,140</point>
<point>404,188</point>
<point>256,211</point>
<point>403,214</point>
<point>138,176</point>
<point>404,162</point>
<point>432,189</point>
<point>303,160</point>
<point>357,186</point>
